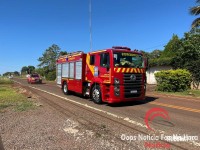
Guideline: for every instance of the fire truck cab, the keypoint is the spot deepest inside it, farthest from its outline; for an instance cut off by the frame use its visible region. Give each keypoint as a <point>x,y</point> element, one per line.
<point>111,75</point>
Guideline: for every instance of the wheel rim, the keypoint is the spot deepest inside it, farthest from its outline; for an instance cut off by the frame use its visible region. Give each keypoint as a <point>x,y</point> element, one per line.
<point>65,88</point>
<point>96,95</point>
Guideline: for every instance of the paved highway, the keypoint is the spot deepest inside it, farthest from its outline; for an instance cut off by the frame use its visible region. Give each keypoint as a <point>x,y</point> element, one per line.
<point>183,112</point>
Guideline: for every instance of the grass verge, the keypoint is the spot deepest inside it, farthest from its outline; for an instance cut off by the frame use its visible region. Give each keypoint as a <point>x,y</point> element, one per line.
<point>10,98</point>
<point>193,93</point>
<point>4,80</point>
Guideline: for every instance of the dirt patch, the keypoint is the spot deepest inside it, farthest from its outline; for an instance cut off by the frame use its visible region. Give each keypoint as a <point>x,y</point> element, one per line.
<point>24,91</point>
<point>151,87</point>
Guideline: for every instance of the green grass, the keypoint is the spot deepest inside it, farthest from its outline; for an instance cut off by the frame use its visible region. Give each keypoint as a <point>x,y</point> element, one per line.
<point>193,93</point>
<point>10,98</point>
<point>25,105</point>
<point>4,80</point>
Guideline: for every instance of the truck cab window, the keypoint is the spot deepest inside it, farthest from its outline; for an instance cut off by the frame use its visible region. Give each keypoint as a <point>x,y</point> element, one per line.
<point>105,60</point>
<point>92,59</point>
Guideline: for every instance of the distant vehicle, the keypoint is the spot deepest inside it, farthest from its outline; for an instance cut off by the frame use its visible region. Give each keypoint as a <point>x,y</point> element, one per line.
<point>34,78</point>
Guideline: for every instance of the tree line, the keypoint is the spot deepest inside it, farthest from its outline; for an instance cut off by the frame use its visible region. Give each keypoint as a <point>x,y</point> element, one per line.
<point>15,73</point>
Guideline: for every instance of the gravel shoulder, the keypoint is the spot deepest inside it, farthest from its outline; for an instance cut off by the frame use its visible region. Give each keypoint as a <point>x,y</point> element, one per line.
<point>45,127</point>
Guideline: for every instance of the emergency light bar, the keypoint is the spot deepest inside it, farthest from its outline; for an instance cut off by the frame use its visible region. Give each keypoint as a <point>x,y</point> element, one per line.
<point>75,53</point>
<point>121,47</point>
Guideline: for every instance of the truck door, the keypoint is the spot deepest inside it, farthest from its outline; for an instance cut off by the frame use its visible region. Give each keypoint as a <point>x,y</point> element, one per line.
<point>104,67</point>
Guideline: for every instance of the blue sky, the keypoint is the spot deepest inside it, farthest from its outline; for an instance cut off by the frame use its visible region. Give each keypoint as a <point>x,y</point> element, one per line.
<point>29,27</point>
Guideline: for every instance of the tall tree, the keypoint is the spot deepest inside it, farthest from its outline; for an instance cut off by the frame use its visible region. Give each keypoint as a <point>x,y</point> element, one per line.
<point>62,53</point>
<point>155,54</point>
<point>195,11</point>
<point>31,69</point>
<point>49,57</point>
<point>24,70</point>
<point>171,47</point>
<point>188,55</point>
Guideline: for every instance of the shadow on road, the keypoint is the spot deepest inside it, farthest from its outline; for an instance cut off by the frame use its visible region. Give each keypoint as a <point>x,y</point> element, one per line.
<point>124,104</point>
<point>43,83</point>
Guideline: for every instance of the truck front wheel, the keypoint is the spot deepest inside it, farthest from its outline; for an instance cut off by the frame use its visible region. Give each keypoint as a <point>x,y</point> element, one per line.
<point>96,94</point>
<point>65,89</point>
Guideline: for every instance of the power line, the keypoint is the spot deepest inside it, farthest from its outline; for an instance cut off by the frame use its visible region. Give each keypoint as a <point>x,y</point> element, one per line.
<point>163,44</point>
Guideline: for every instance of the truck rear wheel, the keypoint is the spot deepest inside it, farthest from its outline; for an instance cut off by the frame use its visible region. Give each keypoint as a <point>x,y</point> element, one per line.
<point>65,89</point>
<point>96,94</point>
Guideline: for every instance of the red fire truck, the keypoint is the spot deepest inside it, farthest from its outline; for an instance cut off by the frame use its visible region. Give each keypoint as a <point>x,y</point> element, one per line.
<point>112,75</point>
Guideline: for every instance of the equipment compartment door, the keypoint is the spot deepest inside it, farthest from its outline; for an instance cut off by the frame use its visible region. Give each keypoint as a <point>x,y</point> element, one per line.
<point>59,73</point>
<point>78,76</point>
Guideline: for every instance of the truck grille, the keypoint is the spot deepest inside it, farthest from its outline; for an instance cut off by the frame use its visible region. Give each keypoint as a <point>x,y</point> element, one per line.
<point>132,88</point>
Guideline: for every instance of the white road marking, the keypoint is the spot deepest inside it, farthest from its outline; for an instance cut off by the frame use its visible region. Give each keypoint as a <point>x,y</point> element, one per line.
<point>106,112</point>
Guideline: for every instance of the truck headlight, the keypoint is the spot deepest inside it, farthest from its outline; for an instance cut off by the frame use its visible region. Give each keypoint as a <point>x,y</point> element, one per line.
<point>116,81</point>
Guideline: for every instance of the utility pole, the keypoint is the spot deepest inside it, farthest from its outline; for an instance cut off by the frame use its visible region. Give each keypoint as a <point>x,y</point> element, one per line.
<point>90,22</point>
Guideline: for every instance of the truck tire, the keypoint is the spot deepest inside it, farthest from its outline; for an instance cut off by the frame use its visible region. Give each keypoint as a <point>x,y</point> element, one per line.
<point>96,94</point>
<point>65,89</point>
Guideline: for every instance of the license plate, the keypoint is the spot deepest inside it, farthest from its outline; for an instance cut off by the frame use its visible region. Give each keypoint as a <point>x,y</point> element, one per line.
<point>133,91</point>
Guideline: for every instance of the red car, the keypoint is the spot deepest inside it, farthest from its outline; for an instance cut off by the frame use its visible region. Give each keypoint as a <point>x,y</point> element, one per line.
<point>34,78</point>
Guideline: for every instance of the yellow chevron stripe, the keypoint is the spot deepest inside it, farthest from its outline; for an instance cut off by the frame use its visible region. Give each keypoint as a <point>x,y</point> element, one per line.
<point>118,70</point>
<point>88,64</point>
<point>131,70</point>
<point>127,70</point>
<point>142,70</point>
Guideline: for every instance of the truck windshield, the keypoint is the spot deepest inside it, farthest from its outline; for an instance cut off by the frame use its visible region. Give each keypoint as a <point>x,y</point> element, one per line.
<point>125,59</point>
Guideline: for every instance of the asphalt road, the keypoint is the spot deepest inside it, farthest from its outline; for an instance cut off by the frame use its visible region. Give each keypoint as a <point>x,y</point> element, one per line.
<point>184,112</point>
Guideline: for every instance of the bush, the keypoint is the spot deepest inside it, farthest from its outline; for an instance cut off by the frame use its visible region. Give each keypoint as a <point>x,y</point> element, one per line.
<point>160,62</point>
<point>51,76</point>
<point>173,80</point>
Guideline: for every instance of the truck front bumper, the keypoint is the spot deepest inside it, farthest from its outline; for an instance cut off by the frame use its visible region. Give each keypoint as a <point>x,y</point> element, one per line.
<point>124,95</point>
